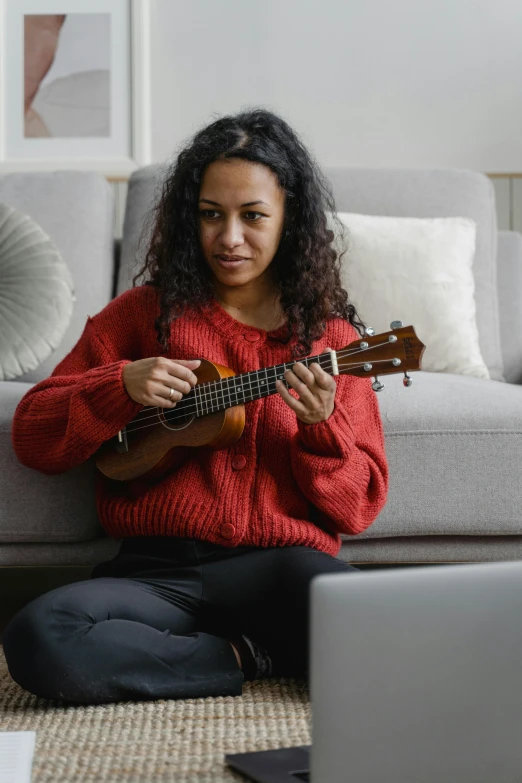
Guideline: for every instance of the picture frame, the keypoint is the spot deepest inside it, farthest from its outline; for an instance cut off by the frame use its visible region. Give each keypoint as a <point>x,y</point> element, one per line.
<point>114,147</point>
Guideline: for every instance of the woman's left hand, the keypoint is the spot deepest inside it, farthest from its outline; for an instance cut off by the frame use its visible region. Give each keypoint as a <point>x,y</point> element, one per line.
<point>316,390</point>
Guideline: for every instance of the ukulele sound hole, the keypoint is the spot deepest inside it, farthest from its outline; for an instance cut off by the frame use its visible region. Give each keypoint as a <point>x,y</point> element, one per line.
<point>181,416</point>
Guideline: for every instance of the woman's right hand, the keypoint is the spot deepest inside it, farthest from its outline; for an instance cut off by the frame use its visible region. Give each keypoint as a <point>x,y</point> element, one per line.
<point>149,381</point>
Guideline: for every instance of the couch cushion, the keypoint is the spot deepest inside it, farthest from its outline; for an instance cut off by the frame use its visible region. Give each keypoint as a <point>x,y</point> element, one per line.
<point>75,208</point>
<point>37,294</point>
<point>430,549</point>
<point>418,271</point>
<point>36,508</point>
<point>394,192</point>
<point>454,447</point>
<point>142,194</point>
<point>509,276</point>
<point>436,193</point>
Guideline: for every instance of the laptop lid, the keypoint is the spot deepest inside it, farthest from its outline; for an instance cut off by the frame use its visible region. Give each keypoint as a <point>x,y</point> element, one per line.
<point>416,675</point>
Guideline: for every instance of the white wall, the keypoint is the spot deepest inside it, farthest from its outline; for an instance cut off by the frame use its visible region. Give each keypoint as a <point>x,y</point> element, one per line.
<point>369,83</point>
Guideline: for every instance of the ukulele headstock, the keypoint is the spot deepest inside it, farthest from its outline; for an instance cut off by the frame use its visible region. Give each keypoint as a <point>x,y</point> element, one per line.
<point>398,350</point>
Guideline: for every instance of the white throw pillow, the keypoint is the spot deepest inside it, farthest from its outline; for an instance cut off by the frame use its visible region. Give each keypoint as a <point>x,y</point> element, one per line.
<point>37,295</point>
<point>418,271</point>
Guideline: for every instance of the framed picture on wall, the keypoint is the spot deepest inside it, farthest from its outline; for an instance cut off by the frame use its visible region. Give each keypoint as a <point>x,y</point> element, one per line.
<point>74,85</point>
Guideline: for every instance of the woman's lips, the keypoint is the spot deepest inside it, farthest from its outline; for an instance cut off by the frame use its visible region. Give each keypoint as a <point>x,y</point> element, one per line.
<point>228,264</point>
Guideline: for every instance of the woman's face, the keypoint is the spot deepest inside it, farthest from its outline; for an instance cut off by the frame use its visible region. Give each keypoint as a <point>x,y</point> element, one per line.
<point>241,213</point>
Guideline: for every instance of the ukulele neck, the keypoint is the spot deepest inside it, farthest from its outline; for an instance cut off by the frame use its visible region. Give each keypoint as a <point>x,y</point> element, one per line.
<point>219,395</point>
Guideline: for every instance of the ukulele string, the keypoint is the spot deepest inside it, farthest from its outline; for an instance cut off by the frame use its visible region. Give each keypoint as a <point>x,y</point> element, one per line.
<point>206,396</point>
<point>187,411</point>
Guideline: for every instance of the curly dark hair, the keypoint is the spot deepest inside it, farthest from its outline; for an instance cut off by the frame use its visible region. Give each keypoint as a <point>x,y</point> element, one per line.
<point>306,265</point>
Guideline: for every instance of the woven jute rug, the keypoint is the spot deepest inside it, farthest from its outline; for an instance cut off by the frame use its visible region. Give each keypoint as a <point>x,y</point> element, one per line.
<point>155,741</point>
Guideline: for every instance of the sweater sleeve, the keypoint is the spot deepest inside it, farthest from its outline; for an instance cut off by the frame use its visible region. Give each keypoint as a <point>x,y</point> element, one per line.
<point>340,464</point>
<point>64,419</point>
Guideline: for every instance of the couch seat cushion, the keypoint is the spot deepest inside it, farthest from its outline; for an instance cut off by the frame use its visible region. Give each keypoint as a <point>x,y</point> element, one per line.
<point>454,446</point>
<point>37,508</point>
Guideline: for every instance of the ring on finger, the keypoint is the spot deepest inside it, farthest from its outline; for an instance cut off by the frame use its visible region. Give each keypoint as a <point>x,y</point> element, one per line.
<point>171,392</point>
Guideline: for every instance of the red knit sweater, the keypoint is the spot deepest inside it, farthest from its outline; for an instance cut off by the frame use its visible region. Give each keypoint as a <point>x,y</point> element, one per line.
<point>295,484</point>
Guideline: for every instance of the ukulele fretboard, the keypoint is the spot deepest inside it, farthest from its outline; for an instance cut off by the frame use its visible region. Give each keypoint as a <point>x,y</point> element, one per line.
<point>214,396</point>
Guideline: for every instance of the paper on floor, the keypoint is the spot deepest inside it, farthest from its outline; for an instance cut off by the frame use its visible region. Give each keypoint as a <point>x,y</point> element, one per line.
<point>16,756</point>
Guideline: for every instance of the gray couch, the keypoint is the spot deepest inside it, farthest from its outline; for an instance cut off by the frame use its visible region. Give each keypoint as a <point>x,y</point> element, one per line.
<point>454,443</point>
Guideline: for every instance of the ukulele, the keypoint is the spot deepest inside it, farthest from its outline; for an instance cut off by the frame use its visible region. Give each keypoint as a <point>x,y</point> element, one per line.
<point>212,414</point>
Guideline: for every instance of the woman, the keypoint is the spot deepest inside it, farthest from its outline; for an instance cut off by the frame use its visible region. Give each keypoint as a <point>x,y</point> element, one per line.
<point>210,586</point>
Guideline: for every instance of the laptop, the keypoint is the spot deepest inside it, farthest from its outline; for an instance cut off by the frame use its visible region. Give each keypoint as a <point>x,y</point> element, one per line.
<point>415,677</point>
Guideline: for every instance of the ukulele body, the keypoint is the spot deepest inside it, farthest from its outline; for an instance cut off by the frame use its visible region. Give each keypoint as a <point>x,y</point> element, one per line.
<point>159,446</point>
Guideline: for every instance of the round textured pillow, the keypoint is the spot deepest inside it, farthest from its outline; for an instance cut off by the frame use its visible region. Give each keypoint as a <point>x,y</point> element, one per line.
<point>36,294</point>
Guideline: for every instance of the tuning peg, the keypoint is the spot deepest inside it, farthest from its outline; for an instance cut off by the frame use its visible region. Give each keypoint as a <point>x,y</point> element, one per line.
<point>407,380</point>
<point>369,331</point>
<point>377,385</point>
<point>395,324</point>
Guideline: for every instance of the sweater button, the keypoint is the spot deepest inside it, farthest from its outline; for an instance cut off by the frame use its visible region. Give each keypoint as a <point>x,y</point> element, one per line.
<point>252,337</point>
<point>239,462</point>
<point>228,530</point>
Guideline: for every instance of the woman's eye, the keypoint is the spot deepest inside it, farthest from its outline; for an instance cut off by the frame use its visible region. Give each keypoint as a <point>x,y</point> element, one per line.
<point>208,213</point>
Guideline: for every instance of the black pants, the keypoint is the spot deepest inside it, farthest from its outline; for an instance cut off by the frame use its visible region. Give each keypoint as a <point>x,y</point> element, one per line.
<point>155,622</point>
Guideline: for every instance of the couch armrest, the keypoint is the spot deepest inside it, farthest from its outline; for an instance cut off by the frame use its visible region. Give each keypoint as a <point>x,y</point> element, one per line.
<point>35,507</point>
<point>509,283</point>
